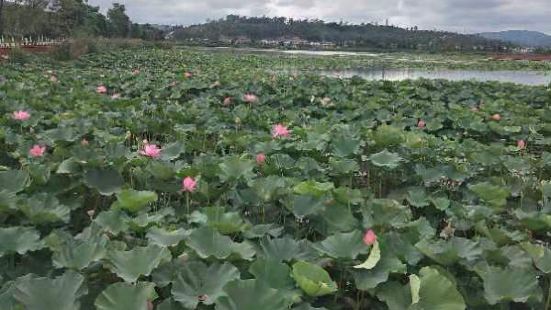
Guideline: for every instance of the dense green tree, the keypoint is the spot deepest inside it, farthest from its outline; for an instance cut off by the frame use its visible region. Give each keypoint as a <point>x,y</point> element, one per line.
<point>1,19</point>
<point>120,22</point>
<point>70,18</point>
<point>255,29</point>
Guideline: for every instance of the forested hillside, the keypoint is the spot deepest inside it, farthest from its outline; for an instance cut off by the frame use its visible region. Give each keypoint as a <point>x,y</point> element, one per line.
<point>67,18</point>
<point>281,30</point>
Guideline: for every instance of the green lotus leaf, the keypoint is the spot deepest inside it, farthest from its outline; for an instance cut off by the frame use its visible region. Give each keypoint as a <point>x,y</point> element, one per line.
<point>68,166</point>
<point>286,249</point>
<point>13,181</point>
<point>385,212</point>
<point>370,279</point>
<point>115,151</point>
<point>449,252</point>
<point>539,221</point>
<point>130,265</point>
<point>79,254</point>
<point>540,254</point>
<point>40,174</point>
<point>313,188</point>
<point>441,203</point>
<point>386,159</point>
<point>303,205</point>
<point>61,293</point>
<point>275,274</point>
<point>313,279</point>
<point>259,231</point>
<point>342,166</point>
<point>134,201</point>
<point>19,240</point>
<point>161,170</point>
<point>125,296</point>
<point>62,134</point>
<point>269,187</point>
<point>107,181</point>
<point>8,201</point>
<point>172,151</point>
<point>345,145</point>
<point>207,242</point>
<point>348,196</point>
<point>113,221</point>
<point>219,219</point>
<point>494,195</point>
<point>169,304</point>
<point>343,245</point>
<point>166,273</point>
<point>250,295</point>
<point>7,300</point>
<point>337,218</point>
<point>44,208</point>
<point>306,306</point>
<point>198,283</point>
<point>437,292</point>
<point>144,220</point>
<point>395,295</point>
<point>283,161</point>
<point>515,255</point>
<point>388,135</point>
<point>236,168</point>
<point>417,197</point>
<point>511,284</point>
<point>166,238</point>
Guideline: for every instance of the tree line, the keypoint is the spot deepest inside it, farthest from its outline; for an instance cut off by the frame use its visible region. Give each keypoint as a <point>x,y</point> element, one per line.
<point>69,18</point>
<point>369,35</point>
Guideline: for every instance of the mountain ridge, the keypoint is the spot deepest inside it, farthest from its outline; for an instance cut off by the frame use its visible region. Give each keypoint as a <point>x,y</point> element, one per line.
<point>525,38</point>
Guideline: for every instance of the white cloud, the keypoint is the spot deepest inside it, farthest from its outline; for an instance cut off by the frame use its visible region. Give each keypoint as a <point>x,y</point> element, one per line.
<point>455,15</point>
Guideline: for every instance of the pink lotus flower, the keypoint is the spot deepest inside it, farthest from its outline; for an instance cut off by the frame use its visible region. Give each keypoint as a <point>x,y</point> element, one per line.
<point>421,124</point>
<point>21,115</point>
<point>280,131</point>
<point>370,237</point>
<point>101,89</point>
<point>496,117</point>
<point>521,144</point>
<point>250,98</point>
<point>227,101</point>
<point>189,185</point>
<point>135,71</point>
<point>188,74</point>
<point>37,151</point>
<point>151,150</point>
<point>260,159</point>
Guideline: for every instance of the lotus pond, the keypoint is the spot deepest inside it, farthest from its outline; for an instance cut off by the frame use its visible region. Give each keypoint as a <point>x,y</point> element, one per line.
<point>177,179</point>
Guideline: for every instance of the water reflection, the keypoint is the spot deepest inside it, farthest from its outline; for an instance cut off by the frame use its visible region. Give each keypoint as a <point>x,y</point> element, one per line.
<point>519,77</point>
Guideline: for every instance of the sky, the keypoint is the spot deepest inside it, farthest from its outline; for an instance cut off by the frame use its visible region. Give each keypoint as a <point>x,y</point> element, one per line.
<point>464,16</point>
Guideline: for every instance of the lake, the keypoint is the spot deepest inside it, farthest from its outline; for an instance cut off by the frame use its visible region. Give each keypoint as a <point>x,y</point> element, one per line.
<point>533,78</point>
<point>524,77</point>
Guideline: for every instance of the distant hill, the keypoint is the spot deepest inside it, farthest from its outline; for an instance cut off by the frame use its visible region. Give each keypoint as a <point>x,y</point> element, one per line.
<point>520,37</point>
<point>281,31</point>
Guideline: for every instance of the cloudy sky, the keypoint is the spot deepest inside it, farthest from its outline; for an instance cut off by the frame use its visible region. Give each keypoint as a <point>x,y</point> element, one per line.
<point>455,15</point>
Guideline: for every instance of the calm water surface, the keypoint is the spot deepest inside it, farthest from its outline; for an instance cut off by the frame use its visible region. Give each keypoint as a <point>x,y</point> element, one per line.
<point>524,77</point>
<point>533,78</point>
